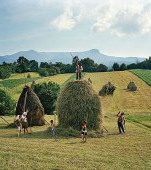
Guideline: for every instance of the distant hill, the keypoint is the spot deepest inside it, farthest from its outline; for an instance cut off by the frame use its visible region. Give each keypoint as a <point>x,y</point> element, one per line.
<point>66,58</point>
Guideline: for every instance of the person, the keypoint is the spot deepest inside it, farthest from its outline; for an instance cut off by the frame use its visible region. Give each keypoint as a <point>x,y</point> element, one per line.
<point>84,131</point>
<point>52,128</point>
<point>25,122</point>
<point>121,122</point>
<point>79,69</point>
<point>18,124</point>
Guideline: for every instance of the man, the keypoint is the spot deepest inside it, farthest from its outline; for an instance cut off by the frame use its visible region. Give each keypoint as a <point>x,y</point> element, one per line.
<point>121,122</point>
<point>79,69</point>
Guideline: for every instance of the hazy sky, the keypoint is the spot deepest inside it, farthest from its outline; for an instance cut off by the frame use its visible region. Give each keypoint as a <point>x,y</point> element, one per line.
<point>115,27</point>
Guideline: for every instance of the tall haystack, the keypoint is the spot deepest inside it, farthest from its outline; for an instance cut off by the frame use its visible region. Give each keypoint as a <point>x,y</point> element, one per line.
<point>28,101</point>
<point>78,102</point>
<point>132,86</point>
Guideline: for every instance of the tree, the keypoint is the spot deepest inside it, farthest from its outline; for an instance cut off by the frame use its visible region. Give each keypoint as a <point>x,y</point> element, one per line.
<point>7,105</point>
<point>88,64</point>
<point>44,65</point>
<point>116,67</point>
<point>123,67</point>
<point>43,72</point>
<point>102,68</point>
<point>22,65</point>
<point>33,65</point>
<point>47,93</point>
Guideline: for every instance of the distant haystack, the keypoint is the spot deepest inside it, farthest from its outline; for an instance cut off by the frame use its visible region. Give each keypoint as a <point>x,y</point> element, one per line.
<point>28,101</point>
<point>78,102</point>
<point>131,86</point>
<point>107,89</point>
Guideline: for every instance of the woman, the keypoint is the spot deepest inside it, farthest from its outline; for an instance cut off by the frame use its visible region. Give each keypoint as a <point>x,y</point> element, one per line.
<point>18,124</point>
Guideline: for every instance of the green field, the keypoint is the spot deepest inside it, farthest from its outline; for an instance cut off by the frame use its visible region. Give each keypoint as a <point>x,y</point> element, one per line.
<point>112,151</point>
<point>145,75</point>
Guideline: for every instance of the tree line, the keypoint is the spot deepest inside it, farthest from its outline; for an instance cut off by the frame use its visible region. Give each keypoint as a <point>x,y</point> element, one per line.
<point>23,65</point>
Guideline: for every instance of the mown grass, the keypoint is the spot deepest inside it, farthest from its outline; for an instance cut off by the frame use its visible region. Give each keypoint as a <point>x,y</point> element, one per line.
<point>123,100</point>
<point>40,151</point>
<point>24,75</point>
<point>113,151</point>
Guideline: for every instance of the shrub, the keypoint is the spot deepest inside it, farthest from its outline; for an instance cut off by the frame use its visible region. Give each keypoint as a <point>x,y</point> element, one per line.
<point>107,89</point>
<point>7,105</point>
<point>47,93</point>
<point>43,72</point>
<point>78,102</point>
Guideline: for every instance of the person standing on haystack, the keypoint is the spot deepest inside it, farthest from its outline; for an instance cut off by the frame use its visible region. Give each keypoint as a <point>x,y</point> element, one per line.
<point>79,69</point>
<point>24,122</point>
<point>121,122</point>
<point>18,123</point>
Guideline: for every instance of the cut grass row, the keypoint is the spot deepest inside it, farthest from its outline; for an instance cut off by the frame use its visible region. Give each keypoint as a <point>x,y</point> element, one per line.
<point>145,75</point>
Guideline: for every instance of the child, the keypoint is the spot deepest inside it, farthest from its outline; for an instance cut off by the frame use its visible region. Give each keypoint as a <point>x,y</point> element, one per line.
<point>52,128</point>
<point>18,124</point>
<point>24,122</point>
<point>84,131</point>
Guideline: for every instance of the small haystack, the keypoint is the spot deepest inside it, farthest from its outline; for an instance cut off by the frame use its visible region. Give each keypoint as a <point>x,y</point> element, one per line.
<point>131,86</point>
<point>78,102</point>
<point>28,101</point>
<point>107,89</point>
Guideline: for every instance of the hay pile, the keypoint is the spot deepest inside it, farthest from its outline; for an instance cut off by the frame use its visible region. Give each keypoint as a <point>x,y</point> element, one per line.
<point>28,100</point>
<point>78,102</point>
<point>107,89</point>
<point>131,86</point>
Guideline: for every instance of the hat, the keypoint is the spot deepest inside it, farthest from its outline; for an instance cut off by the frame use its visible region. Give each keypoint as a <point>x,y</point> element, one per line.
<point>25,113</point>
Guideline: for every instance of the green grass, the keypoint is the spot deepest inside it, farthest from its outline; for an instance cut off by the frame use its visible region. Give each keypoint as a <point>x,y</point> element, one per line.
<point>10,83</point>
<point>143,119</point>
<point>145,75</point>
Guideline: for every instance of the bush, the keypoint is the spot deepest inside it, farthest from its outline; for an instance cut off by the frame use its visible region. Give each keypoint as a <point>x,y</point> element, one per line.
<point>47,93</point>
<point>78,102</point>
<point>7,105</point>
<point>4,72</point>
<point>43,72</point>
<point>107,89</point>
<point>131,86</point>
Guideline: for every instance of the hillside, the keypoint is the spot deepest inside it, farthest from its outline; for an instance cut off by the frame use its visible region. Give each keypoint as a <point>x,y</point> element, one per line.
<point>65,57</point>
<point>129,102</point>
<point>112,151</point>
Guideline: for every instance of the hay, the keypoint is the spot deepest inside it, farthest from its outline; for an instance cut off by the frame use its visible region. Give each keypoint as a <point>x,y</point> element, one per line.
<point>32,103</point>
<point>78,102</point>
<point>131,86</point>
<point>107,89</point>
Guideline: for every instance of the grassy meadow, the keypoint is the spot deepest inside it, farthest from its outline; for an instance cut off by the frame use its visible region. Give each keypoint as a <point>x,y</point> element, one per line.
<point>112,151</point>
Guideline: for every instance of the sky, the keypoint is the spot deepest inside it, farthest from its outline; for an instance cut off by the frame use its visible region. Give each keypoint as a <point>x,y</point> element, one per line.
<point>114,27</point>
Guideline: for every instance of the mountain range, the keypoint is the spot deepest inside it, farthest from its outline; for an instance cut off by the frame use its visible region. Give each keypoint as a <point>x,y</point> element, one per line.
<point>66,57</point>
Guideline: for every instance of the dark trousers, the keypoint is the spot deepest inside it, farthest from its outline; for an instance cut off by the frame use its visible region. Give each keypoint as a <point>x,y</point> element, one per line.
<point>121,127</point>
<point>78,75</point>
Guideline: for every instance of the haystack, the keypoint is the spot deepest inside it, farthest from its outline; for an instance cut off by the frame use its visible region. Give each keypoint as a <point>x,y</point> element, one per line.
<point>78,102</point>
<point>131,86</point>
<point>107,89</point>
<point>28,101</point>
